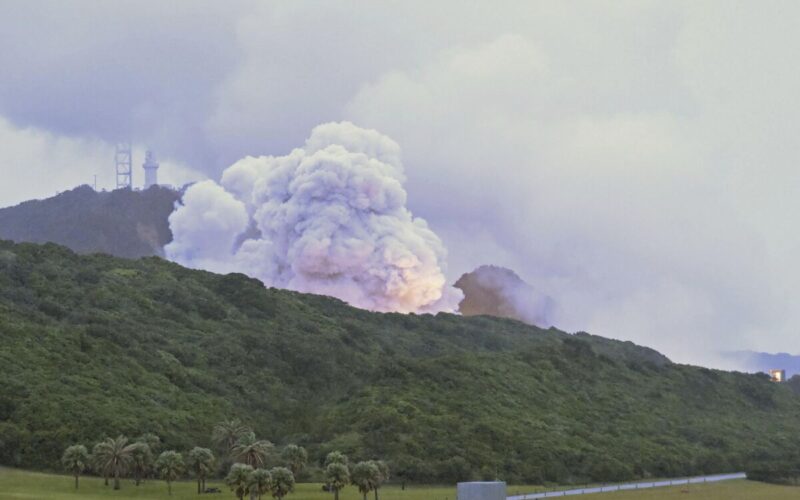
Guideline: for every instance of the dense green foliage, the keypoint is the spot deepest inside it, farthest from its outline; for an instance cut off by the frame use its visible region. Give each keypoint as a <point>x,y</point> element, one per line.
<point>94,346</point>
<point>775,474</point>
<point>124,223</point>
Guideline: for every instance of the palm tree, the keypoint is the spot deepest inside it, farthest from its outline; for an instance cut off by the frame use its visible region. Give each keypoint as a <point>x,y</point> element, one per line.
<point>170,467</point>
<point>75,460</point>
<point>151,440</point>
<point>97,463</point>
<point>295,457</point>
<point>228,432</point>
<point>383,475</point>
<point>364,476</point>
<point>337,476</point>
<point>141,460</point>
<point>114,456</point>
<point>251,451</point>
<point>260,482</point>
<point>201,461</point>
<point>282,482</point>
<point>239,479</point>
<point>336,457</point>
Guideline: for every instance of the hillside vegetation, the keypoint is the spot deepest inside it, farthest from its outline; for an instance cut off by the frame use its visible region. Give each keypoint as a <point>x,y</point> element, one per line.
<point>124,223</point>
<point>97,345</point>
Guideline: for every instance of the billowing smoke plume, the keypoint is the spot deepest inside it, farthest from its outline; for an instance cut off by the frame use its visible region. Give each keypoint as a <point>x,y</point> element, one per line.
<point>328,218</point>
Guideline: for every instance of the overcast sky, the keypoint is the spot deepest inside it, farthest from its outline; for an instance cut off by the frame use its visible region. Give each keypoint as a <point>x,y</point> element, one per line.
<point>635,160</point>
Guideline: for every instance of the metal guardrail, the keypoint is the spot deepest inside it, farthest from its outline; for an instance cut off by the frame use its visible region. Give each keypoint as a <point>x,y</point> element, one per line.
<point>631,486</point>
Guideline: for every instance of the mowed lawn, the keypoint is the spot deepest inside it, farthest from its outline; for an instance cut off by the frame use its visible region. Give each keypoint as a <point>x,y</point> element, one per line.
<point>726,490</point>
<point>16,484</point>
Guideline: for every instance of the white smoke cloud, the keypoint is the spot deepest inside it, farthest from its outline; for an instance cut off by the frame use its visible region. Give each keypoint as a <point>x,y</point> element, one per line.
<point>328,218</point>
<point>209,223</point>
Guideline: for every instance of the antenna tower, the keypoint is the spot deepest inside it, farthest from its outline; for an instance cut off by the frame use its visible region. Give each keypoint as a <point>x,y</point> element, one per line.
<point>124,160</point>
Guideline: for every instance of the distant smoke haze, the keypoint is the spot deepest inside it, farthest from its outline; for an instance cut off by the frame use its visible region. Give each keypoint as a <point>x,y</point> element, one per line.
<point>751,361</point>
<point>328,218</point>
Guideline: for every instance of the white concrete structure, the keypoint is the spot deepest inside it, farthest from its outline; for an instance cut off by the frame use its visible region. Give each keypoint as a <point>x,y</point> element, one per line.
<point>150,167</point>
<point>487,490</point>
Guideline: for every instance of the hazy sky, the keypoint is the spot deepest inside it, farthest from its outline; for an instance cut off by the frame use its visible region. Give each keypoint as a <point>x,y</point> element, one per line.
<point>635,160</point>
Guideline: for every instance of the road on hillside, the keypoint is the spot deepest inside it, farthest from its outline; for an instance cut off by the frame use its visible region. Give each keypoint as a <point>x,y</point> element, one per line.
<point>631,486</point>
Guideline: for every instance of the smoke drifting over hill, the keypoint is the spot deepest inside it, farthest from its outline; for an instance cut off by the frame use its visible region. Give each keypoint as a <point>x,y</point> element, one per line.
<point>328,218</point>
<point>498,291</point>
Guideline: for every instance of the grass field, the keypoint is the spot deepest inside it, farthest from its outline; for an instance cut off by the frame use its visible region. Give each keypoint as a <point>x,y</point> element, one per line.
<point>16,484</point>
<point>726,490</point>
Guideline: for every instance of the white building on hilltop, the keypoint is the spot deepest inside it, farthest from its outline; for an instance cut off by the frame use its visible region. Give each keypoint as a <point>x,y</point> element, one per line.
<point>150,167</point>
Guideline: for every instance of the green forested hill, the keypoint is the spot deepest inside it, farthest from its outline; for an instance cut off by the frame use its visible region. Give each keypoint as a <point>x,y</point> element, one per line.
<point>95,345</point>
<point>123,222</point>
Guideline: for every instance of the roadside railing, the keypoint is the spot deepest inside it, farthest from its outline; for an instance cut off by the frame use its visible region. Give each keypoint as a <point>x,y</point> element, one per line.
<point>631,486</point>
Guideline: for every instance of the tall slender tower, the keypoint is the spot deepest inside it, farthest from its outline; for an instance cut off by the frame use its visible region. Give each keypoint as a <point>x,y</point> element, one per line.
<point>150,167</point>
<point>124,160</point>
